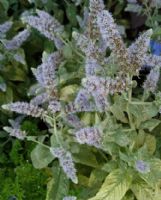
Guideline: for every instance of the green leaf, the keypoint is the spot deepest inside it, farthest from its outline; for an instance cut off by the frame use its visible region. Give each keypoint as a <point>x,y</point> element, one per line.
<point>6,97</point>
<point>114,187</point>
<point>71,14</point>
<point>67,51</point>
<point>86,157</point>
<point>118,108</point>
<point>142,112</point>
<point>5,4</point>
<point>150,142</point>
<point>142,191</point>
<point>41,157</point>
<point>133,8</point>
<point>58,186</point>
<point>149,124</point>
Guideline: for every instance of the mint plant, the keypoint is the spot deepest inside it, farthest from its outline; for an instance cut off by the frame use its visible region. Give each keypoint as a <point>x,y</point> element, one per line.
<point>95,121</point>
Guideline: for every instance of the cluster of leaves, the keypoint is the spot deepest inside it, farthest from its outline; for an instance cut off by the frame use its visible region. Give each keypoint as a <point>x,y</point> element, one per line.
<point>19,179</point>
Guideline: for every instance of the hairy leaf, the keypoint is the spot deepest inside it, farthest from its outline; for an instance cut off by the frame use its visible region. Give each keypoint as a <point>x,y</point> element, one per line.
<point>41,157</point>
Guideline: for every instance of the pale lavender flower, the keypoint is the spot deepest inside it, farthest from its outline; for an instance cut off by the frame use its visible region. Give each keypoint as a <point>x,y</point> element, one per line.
<point>105,85</point>
<point>152,60</point>
<point>95,83</point>
<point>142,166</point>
<point>38,73</point>
<point>92,67</point>
<point>5,27</point>
<point>73,108</point>
<point>152,79</point>
<point>45,73</point>
<point>54,106</point>
<point>73,121</point>
<point>47,25</point>
<point>16,123</point>
<point>49,66</point>
<point>24,108</point>
<point>85,44</point>
<point>66,162</point>
<point>15,132</point>
<point>17,41</point>
<point>101,101</point>
<point>89,135</point>
<point>82,99</point>
<point>40,99</point>
<point>138,50</point>
<point>95,6</point>
<point>111,35</point>
<point>70,198</point>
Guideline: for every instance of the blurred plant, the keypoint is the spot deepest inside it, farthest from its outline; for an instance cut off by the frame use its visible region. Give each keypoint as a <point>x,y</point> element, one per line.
<point>150,9</point>
<point>98,130</point>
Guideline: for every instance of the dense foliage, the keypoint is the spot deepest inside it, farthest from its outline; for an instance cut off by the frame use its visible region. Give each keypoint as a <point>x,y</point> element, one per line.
<point>90,124</point>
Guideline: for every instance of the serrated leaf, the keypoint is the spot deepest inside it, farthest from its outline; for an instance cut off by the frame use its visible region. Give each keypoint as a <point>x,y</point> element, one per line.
<point>114,187</point>
<point>41,157</point>
<point>96,176</point>
<point>58,186</point>
<point>142,191</point>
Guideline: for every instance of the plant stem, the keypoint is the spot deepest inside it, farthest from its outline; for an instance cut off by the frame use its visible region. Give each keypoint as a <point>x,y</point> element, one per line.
<point>46,146</point>
<point>140,103</point>
<point>129,102</point>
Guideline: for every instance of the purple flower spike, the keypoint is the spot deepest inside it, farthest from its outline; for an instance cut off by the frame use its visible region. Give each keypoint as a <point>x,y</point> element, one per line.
<point>142,167</point>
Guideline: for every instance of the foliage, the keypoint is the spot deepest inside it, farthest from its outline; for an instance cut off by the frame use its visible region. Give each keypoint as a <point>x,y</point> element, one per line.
<point>98,135</point>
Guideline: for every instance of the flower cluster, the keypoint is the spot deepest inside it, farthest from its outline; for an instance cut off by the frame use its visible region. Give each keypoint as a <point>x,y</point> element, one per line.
<point>17,41</point>
<point>40,99</point>
<point>54,106</point>
<point>152,79</point>
<point>4,28</point>
<point>74,121</point>
<point>89,135</point>
<point>111,35</point>
<point>47,25</point>
<point>95,6</point>
<point>66,162</point>
<point>24,108</point>
<point>45,73</point>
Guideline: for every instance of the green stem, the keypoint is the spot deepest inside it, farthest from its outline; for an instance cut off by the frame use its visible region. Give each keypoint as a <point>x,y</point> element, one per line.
<point>140,103</point>
<point>55,133</point>
<point>129,102</point>
<point>46,146</point>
